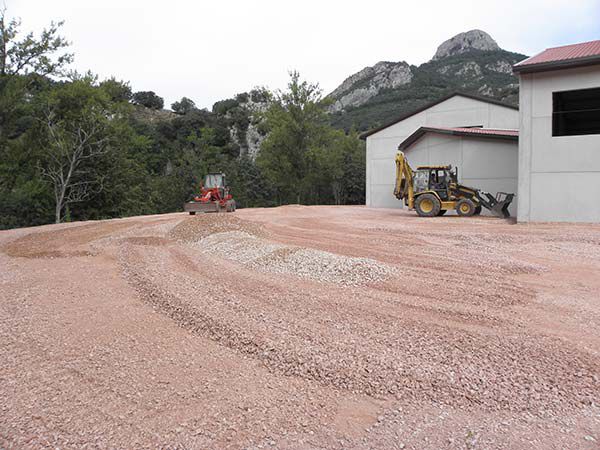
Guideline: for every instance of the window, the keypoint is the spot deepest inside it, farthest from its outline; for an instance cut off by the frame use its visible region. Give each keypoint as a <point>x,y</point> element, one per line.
<point>421,180</point>
<point>213,180</point>
<point>576,112</point>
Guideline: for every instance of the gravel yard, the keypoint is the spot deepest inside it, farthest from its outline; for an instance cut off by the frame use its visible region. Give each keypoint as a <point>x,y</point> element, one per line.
<point>300,327</point>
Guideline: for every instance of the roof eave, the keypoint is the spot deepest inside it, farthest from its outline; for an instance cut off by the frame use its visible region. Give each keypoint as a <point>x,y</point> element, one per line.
<point>414,137</point>
<point>557,65</point>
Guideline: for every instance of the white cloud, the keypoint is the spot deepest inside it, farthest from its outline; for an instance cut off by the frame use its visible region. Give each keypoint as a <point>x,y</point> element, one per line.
<point>211,50</point>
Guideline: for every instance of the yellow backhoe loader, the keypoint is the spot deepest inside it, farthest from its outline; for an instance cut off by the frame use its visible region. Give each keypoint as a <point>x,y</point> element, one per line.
<point>433,190</point>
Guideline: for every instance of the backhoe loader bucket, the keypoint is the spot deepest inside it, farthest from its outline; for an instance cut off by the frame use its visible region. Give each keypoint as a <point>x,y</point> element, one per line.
<point>497,205</point>
<point>503,201</point>
<point>194,207</point>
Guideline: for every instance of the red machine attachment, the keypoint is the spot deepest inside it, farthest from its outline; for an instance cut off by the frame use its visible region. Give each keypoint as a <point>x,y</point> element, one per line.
<point>214,196</point>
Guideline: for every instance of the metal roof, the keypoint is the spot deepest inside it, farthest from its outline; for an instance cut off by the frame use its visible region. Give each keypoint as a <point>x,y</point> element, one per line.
<point>485,133</point>
<point>585,53</point>
<point>477,130</point>
<point>481,98</point>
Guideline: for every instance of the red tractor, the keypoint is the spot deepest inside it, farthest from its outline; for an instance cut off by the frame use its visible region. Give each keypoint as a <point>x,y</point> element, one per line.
<point>214,196</point>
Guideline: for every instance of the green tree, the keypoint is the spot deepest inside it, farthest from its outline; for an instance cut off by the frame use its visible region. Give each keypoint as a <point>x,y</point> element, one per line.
<point>79,125</point>
<point>296,122</point>
<point>340,167</point>
<point>249,186</point>
<point>183,106</point>
<point>28,54</point>
<point>149,99</point>
<point>25,199</point>
<point>25,63</point>
<point>118,91</point>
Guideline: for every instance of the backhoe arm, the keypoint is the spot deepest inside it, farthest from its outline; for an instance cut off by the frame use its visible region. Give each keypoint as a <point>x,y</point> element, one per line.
<point>404,188</point>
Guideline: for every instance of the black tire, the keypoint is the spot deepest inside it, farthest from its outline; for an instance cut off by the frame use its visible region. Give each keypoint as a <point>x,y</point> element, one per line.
<point>442,212</point>
<point>478,210</point>
<point>427,205</point>
<point>192,213</point>
<point>465,207</point>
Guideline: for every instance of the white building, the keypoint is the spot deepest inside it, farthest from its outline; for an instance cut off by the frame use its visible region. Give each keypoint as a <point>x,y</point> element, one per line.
<point>559,135</point>
<point>486,162</point>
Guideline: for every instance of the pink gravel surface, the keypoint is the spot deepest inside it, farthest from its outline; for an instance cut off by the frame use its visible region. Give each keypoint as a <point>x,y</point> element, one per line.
<point>300,327</point>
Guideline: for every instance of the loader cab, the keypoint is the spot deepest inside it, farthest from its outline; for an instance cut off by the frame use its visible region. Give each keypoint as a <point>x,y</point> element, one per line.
<point>434,178</point>
<point>215,181</point>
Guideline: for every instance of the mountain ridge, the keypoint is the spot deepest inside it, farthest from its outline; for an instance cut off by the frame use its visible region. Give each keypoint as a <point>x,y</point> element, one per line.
<point>470,62</point>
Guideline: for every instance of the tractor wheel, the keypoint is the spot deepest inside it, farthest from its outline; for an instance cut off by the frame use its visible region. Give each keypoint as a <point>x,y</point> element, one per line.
<point>478,210</point>
<point>465,207</point>
<point>442,212</point>
<point>428,205</point>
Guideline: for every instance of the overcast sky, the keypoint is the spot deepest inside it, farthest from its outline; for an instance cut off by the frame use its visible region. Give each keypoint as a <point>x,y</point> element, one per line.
<point>211,50</point>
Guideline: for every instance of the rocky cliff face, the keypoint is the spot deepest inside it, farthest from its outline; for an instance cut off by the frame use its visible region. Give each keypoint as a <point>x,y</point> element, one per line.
<point>248,133</point>
<point>360,87</point>
<point>243,118</point>
<point>470,62</point>
<point>465,42</point>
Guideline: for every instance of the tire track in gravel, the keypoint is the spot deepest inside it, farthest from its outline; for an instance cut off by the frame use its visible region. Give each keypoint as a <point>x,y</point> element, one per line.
<point>358,345</point>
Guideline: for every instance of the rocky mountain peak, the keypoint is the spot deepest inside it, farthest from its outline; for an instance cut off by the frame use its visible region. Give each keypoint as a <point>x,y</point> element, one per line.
<point>463,42</point>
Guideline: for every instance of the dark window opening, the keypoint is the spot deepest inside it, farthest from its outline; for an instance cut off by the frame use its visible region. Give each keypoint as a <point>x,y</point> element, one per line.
<point>576,112</point>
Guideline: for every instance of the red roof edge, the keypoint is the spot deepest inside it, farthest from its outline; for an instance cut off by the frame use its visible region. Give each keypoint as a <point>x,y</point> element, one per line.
<point>566,56</point>
<point>485,133</point>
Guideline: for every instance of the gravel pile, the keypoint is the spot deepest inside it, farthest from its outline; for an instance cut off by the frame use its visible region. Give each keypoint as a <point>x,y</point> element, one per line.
<point>202,225</point>
<point>260,254</point>
<point>325,267</point>
<point>238,246</point>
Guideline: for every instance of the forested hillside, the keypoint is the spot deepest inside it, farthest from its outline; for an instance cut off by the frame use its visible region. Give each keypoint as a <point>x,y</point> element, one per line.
<point>74,147</point>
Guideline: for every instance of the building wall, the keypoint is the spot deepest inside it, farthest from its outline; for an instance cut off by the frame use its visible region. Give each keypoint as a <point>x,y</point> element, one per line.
<point>454,112</point>
<point>486,164</point>
<point>559,177</point>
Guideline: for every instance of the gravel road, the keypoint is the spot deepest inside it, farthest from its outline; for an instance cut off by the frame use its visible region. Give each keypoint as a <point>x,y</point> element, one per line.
<point>300,328</point>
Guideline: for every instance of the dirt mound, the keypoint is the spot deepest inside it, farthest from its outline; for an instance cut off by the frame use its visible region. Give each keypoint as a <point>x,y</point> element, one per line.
<point>67,242</point>
<point>260,254</point>
<point>202,225</point>
<point>227,236</point>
